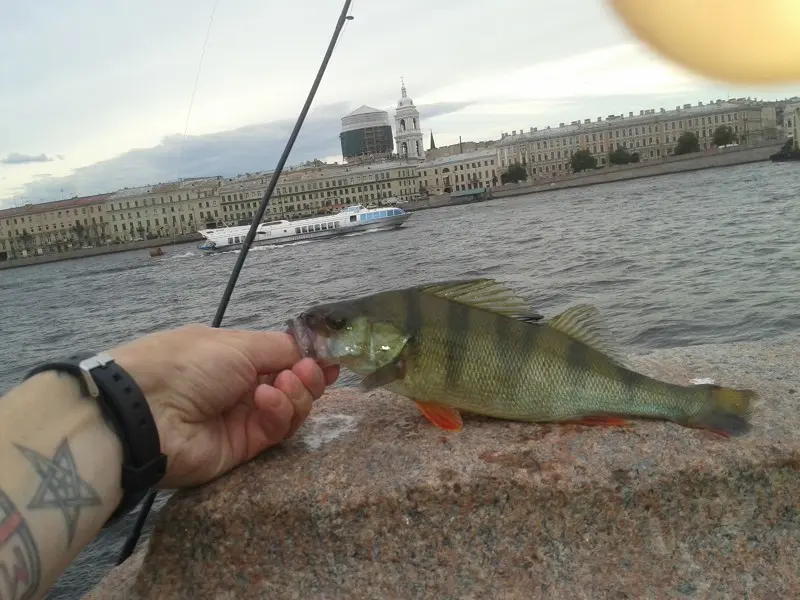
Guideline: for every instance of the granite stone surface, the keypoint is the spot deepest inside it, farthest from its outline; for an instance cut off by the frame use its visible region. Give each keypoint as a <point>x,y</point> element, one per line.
<point>371,501</point>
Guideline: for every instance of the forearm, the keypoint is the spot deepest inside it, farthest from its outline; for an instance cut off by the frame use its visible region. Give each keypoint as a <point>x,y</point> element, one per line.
<point>60,469</point>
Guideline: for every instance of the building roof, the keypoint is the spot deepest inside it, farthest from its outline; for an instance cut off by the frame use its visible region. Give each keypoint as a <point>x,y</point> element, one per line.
<point>314,173</point>
<point>44,207</point>
<point>459,158</point>
<point>364,110</point>
<point>129,192</point>
<point>365,117</point>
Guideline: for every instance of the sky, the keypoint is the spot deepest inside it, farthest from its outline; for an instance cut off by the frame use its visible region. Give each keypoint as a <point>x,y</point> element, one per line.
<point>98,94</point>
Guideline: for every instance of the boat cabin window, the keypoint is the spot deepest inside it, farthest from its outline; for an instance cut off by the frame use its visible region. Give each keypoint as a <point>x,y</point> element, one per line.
<point>305,228</point>
<point>297,230</point>
<point>230,241</point>
<point>317,227</point>
<point>336,224</point>
<point>353,218</point>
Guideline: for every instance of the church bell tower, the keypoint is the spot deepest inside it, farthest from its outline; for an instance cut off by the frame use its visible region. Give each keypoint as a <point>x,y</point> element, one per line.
<point>408,132</point>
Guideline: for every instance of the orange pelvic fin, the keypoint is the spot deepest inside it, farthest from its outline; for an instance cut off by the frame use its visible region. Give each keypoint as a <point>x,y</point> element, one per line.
<point>600,421</point>
<point>441,416</point>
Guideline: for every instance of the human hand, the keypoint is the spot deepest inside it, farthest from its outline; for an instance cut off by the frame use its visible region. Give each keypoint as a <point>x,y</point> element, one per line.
<point>219,397</point>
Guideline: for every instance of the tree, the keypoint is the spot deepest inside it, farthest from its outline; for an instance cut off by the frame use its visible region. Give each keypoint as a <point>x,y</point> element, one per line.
<point>723,135</point>
<point>620,156</point>
<point>687,143</point>
<point>27,239</point>
<point>582,160</point>
<point>635,157</point>
<point>80,232</point>
<point>514,174</point>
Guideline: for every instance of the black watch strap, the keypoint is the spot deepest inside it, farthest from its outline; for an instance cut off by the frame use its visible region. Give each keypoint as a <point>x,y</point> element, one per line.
<point>123,404</point>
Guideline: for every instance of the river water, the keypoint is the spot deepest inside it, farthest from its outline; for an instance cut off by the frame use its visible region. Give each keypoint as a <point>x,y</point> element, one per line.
<point>693,258</point>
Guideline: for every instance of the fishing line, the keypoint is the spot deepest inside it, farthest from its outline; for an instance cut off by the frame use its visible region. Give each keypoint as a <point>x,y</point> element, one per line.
<point>130,543</point>
<point>194,90</point>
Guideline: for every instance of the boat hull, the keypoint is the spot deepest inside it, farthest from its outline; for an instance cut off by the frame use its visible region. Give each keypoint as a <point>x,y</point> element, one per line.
<point>384,224</point>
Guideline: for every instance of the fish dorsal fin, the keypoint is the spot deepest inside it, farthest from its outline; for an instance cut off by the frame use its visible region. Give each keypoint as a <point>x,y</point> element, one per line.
<point>583,323</point>
<point>483,293</point>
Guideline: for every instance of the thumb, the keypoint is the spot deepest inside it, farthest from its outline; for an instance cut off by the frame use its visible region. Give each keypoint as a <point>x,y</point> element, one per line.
<point>268,351</point>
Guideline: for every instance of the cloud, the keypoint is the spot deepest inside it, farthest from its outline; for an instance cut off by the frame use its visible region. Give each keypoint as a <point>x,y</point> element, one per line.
<point>437,109</point>
<point>227,153</point>
<point>533,57</point>
<point>16,158</point>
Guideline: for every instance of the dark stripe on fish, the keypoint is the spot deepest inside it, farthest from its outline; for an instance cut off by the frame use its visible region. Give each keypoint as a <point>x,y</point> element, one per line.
<point>458,315</point>
<point>508,369</point>
<point>413,320</point>
<point>578,362</point>
<point>630,380</point>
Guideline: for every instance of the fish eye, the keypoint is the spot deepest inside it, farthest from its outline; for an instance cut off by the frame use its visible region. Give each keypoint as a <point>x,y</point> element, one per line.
<point>336,321</point>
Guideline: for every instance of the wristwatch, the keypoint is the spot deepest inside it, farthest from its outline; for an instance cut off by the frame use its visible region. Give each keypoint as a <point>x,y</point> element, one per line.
<point>123,404</point>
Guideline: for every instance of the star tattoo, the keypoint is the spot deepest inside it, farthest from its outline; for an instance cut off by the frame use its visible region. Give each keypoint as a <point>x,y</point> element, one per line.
<point>60,486</point>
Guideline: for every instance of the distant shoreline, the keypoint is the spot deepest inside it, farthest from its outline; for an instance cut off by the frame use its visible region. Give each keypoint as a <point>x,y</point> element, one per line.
<point>98,251</point>
<point>674,164</point>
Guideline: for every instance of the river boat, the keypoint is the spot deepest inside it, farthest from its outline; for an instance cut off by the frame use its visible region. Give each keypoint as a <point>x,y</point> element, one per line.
<point>349,220</point>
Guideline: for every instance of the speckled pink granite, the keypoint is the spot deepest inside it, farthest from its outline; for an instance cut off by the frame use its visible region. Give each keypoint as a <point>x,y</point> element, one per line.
<point>370,501</point>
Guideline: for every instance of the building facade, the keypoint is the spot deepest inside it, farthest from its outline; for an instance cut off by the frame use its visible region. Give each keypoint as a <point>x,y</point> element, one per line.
<point>163,210</point>
<point>791,115</point>
<point>459,172</point>
<point>52,227</point>
<point>408,131</point>
<point>796,126</point>
<point>366,135</point>
<point>653,135</point>
<point>318,188</point>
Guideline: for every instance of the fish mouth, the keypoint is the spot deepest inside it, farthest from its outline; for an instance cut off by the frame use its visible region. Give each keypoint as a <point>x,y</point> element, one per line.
<point>303,335</point>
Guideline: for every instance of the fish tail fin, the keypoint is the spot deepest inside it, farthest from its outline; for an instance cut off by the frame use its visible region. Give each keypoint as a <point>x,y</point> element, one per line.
<point>727,412</point>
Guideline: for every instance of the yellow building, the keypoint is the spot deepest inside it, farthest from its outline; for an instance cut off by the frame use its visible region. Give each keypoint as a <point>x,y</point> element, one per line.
<point>316,188</point>
<point>791,116</point>
<point>796,125</point>
<point>52,227</point>
<point>460,172</point>
<point>164,210</point>
<point>652,134</point>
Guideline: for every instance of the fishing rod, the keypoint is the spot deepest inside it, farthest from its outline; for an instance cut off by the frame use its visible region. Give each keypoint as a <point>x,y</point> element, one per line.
<point>132,540</point>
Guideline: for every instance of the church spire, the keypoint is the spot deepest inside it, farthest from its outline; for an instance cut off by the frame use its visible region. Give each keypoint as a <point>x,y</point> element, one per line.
<point>403,92</point>
<point>433,144</point>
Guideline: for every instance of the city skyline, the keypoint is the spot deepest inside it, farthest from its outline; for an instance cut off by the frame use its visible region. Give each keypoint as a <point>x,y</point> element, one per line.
<point>58,137</point>
<point>373,172</point>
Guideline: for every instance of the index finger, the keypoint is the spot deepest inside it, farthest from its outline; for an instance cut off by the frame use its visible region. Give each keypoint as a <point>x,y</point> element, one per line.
<point>268,351</point>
